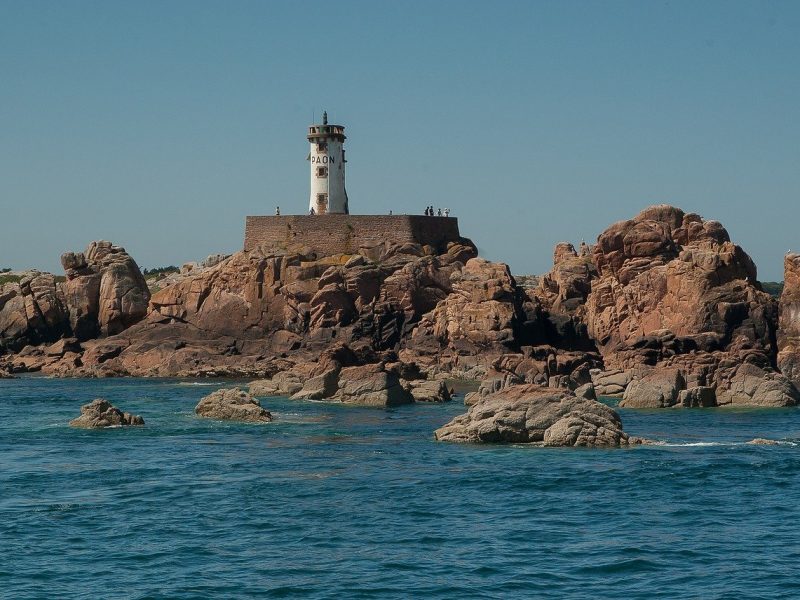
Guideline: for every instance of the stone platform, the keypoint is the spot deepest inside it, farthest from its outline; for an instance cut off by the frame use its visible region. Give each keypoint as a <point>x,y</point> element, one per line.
<point>345,234</point>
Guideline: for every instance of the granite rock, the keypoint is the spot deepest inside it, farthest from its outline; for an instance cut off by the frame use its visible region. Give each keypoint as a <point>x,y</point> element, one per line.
<point>232,404</point>
<point>535,414</point>
<point>100,413</point>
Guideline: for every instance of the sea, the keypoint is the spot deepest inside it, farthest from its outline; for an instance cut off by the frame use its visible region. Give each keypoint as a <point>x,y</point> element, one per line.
<point>334,501</point>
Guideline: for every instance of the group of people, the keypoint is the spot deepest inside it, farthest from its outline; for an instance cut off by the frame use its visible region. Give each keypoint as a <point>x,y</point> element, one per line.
<point>429,212</point>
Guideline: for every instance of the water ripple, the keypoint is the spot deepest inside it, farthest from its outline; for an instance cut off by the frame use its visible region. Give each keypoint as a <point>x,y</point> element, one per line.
<point>338,501</point>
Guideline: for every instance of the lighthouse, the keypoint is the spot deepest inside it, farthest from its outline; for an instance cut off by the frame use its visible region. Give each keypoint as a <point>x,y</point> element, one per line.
<point>328,195</point>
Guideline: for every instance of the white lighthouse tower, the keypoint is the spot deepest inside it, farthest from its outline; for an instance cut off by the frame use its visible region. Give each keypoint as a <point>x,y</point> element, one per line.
<point>328,195</point>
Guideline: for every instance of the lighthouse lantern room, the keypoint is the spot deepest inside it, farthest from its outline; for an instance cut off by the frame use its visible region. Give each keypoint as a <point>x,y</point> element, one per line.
<point>328,194</point>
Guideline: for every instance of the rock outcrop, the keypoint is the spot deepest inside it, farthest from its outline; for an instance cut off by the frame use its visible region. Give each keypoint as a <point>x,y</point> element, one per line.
<point>535,414</point>
<point>341,375</point>
<point>371,385</point>
<point>789,320</point>
<point>673,294</point>
<point>670,283</point>
<point>482,312</point>
<point>105,291</point>
<point>428,391</point>
<point>100,413</point>
<point>32,311</point>
<point>251,310</point>
<point>663,293</point>
<point>659,389</point>
<point>565,288</point>
<point>611,383</point>
<point>698,397</point>
<point>232,404</point>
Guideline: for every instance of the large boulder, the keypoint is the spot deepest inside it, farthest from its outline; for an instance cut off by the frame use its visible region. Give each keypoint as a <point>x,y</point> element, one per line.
<point>698,397</point>
<point>429,391</point>
<point>789,321</point>
<point>318,387</point>
<point>535,414</point>
<point>284,383</point>
<point>749,384</point>
<point>232,405</point>
<point>32,311</point>
<point>659,389</point>
<point>566,287</point>
<point>479,318</point>
<point>100,413</point>
<point>105,291</point>
<point>673,292</point>
<point>670,283</point>
<point>611,383</point>
<point>371,385</point>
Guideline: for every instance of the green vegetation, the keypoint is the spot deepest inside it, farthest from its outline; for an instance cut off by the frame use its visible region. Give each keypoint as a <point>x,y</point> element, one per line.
<point>9,278</point>
<point>155,272</point>
<point>773,288</point>
<point>5,278</point>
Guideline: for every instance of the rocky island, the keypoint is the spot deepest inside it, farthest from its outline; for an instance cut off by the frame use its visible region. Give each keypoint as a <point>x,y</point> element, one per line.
<point>664,310</point>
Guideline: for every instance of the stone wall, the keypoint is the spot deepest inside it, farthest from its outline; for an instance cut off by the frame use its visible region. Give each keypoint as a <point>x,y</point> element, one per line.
<point>345,234</point>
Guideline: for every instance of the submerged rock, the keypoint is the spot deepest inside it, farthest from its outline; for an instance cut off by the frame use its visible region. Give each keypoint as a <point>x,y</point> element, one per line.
<point>535,414</point>
<point>764,442</point>
<point>100,413</point>
<point>232,404</point>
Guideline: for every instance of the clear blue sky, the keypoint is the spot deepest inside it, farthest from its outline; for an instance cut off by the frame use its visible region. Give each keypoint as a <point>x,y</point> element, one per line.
<point>160,125</point>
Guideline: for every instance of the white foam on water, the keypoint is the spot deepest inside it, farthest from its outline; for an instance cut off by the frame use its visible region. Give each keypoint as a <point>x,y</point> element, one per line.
<point>704,444</point>
<point>698,444</point>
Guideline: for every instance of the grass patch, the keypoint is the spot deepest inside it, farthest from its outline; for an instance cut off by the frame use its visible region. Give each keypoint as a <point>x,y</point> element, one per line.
<point>9,279</point>
<point>150,274</point>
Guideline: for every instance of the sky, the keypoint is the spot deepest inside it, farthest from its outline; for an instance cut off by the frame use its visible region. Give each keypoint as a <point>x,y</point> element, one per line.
<point>160,125</point>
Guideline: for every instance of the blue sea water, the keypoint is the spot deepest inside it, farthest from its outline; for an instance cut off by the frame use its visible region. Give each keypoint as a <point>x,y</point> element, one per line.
<point>331,501</point>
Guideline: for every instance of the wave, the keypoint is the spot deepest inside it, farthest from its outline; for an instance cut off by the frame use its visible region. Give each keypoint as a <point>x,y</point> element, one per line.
<point>728,444</point>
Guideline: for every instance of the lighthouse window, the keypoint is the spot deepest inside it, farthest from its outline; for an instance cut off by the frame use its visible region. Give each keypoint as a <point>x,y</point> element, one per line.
<point>322,147</point>
<point>322,171</point>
